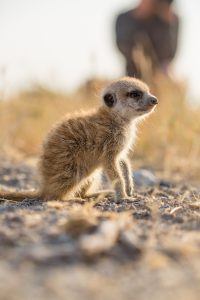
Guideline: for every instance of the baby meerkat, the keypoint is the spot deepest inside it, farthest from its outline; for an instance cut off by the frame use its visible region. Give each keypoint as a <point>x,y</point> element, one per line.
<point>76,147</point>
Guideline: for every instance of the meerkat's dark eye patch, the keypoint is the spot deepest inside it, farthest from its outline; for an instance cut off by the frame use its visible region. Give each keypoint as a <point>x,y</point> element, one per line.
<point>136,94</point>
<point>109,99</point>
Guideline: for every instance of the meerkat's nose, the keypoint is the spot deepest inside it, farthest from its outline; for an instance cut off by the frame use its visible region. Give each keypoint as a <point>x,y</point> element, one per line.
<point>153,100</point>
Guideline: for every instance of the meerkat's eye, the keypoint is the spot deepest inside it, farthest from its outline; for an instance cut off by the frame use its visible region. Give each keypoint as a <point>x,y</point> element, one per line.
<point>136,94</point>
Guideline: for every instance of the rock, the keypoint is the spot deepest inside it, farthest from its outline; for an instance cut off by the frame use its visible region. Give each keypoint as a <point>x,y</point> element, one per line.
<point>165,184</point>
<point>141,177</point>
<point>144,178</point>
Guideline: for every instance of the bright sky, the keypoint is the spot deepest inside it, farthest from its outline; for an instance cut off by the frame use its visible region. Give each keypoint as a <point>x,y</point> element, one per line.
<point>63,42</point>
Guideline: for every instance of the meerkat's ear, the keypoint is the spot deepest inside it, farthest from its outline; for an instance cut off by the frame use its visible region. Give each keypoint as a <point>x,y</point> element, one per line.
<point>109,99</point>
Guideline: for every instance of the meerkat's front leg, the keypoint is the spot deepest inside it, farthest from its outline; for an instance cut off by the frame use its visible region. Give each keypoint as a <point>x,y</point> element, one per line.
<point>113,170</point>
<point>127,174</point>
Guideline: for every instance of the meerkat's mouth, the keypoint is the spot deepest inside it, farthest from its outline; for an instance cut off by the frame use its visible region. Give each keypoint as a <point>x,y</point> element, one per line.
<point>144,109</point>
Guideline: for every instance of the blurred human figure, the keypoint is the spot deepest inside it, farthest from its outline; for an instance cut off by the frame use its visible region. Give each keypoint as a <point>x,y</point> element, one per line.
<point>147,36</point>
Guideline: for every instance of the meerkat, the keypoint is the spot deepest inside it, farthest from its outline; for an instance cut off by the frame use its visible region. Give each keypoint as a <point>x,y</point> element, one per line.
<point>78,146</point>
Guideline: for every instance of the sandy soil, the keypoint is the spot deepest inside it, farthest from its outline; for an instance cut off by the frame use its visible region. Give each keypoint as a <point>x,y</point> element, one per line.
<point>147,247</point>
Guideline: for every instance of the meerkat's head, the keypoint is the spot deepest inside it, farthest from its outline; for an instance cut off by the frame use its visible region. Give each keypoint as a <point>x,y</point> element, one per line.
<point>129,97</point>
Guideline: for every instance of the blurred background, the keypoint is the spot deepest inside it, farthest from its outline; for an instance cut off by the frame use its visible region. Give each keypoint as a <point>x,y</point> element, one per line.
<point>55,56</point>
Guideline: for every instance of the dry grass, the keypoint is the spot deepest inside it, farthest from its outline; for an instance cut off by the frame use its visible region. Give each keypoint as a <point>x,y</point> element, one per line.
<point>168,141</point>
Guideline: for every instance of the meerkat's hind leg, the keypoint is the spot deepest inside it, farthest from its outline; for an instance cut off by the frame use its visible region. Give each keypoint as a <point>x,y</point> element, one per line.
<point>103,187</point>
<point>56,191</point>
<point>92,187</point>
<point>83,189</point>
<point>101,194</point>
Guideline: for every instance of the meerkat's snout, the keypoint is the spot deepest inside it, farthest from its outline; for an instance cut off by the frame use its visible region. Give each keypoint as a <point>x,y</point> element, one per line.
<point>153,100</point>
<point>150,103</point>
<point>147,104</point>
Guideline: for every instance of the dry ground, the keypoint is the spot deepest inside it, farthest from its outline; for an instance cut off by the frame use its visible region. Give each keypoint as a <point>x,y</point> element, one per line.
<point>146,247</point>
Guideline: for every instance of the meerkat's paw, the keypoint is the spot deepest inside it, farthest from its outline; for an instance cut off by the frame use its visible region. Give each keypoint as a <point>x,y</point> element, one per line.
<point>119,195</point>
<point>130,191</point>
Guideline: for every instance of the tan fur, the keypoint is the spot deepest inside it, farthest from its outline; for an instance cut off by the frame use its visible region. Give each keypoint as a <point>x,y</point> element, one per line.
<point>76,147</point>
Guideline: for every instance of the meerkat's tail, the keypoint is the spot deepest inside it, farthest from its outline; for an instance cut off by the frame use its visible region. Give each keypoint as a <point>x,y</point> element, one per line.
<point>20,196</point>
